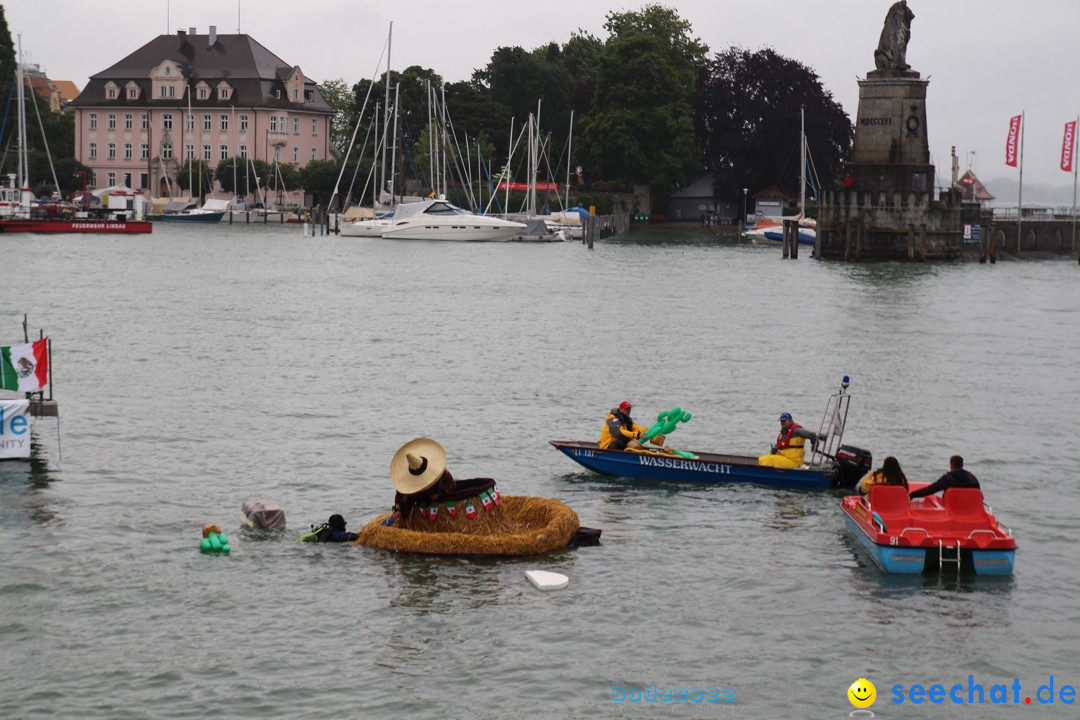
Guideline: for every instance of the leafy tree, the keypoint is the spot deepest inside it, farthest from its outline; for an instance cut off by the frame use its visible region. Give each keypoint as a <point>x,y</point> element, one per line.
<point>641,128</point>
<point>7,58</point>
<point>247,177</point>
<point>748,121</point>
<point>339,96</point>
<point>195,178</point>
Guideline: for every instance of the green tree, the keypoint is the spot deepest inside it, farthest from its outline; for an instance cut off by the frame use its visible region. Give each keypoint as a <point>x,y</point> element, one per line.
<point>641,128</point>
<point>748,121</point>
<point>247,177</point>
<point>195,178</point>
<point>339,96</point>
<point>7,59</point>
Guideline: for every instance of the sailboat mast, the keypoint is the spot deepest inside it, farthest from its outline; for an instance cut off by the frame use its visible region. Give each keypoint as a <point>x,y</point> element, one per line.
<point>394,138</point>
<point>386,109</point>
<point>569,145</point>
<point>509,160</point>
<point>190,121</point>
<point>444,141</point>
<point>23,161</point>
<point>802,155</point>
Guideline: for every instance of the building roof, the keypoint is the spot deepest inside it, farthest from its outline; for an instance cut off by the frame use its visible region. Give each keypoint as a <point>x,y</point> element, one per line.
<point>770,193</point>
<point>971,188</point>
<point>67,89</point>
<point>253,72</point>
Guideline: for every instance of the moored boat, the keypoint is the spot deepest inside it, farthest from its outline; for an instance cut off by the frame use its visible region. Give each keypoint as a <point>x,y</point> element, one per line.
<point>954,532</point>
<point>439,220</point>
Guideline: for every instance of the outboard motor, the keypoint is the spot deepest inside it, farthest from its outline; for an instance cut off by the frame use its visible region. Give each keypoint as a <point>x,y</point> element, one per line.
<point>852,464</point>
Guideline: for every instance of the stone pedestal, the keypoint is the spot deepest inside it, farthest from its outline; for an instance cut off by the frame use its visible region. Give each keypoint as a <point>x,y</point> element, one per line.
<point>888,210</point>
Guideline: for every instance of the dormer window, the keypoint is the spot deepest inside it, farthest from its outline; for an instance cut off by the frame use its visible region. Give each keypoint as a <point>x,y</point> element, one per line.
<point>277,94</point>
<point>224,91</point>
<point>112,90</point>
<point>111,93</point>
<point>309,95</point>
<point>202,93</point>
<point>132,91</point>
<point>168,70</point>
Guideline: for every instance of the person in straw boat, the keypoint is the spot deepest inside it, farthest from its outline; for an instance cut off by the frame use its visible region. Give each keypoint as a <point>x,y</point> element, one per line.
<point>434,513</point>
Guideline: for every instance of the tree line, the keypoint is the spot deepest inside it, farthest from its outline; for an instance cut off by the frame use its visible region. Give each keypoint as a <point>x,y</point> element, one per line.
<point>651,105</point>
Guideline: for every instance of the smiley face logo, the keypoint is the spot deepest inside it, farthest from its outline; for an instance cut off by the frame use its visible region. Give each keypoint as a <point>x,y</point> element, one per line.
<point>862,693</point>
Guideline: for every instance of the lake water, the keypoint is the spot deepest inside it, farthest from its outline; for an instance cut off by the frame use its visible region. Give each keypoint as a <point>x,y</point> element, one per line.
<point>198,366</point>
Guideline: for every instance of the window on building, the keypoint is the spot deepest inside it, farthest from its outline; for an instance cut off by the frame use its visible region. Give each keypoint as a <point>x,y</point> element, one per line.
<point>314,153</point>
<point>93,151</point>
<point>309,95</point>
<point>112,121</point>
<point>145,121</point>
<point>243,151</point>
<point>223,93</point>
<point>93,121</point>
<point>166,151</point>
<point>164,91</point>
<point>189,122</point>
<point>223,152</point>
<point>296,126</point>
<point>202,93</point>
<point>273,123</point>
<point>243,123</point>
<point>144,152</point>
<point>277,94</point>
<point>224,123</point>
<point>112,151</point>
<point>314,126</point>
<point>189,152</point>
<point>127,151</point>
<point>206,153</point>
<point>166,121</point>
<point>133,93</point>
<point>110,94</point>
<point>172,91</point>
<point>128,124</point>
<point>111,179</point>
<point>206,123</point>
<point>295,94</point>
<point>295,155</point>
<point>144,181</point>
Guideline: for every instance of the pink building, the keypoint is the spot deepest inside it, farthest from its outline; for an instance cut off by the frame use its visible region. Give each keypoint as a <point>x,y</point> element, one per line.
<point>132,123</point>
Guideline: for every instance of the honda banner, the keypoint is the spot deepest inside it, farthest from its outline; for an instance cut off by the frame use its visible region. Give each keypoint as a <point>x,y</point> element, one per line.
<point>1011,142</point>
<point>1067,146</point>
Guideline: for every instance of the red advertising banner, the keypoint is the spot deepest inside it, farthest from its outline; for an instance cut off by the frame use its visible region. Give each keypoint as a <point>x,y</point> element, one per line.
<point>1010,143</point>
<point>524,187</point>
<point>1068,144</point>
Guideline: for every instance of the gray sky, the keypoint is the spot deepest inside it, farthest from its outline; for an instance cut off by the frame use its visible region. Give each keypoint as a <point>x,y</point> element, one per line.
<point>986,60</point>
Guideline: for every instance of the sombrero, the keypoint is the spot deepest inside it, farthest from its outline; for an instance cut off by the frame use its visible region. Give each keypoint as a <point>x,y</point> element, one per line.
<point>417,465</point>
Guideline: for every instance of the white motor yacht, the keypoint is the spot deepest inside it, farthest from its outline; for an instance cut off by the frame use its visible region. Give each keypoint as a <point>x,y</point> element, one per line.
<point>440,220</point>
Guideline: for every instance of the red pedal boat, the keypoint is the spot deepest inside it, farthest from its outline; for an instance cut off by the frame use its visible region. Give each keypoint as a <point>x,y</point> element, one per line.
<point>933,533</point>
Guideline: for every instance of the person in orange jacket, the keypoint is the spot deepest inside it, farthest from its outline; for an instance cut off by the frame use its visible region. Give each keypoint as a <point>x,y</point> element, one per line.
<point>620,429</point>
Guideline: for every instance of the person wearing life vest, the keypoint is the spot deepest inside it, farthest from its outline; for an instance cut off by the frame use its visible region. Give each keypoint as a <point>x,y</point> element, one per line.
<point>620,430</point>
<point>789,450</point>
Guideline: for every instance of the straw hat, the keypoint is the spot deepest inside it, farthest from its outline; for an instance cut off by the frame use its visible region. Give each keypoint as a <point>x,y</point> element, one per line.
<point>417,465</point>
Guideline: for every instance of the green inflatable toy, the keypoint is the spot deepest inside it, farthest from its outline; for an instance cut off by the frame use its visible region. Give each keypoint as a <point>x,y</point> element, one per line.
<point>214,541</point>
<point>666,422</point>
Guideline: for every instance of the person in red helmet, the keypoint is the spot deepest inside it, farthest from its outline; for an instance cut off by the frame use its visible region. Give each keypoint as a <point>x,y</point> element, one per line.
<point>620,429</point>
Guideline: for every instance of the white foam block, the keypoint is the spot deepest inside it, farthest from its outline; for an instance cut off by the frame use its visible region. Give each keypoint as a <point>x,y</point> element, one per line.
<point>545,580</point>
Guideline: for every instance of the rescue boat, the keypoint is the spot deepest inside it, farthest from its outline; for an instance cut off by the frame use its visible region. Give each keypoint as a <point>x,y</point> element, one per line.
<point>956,531</point>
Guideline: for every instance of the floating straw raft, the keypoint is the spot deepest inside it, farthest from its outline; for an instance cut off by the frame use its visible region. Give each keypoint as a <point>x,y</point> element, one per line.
<point>517,526</point>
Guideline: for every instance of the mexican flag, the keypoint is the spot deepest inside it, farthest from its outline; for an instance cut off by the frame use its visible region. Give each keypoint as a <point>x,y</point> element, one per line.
<point>25,368</point>
<point>452,509</point>
<point>433,512</point>
<point>470,509</point>
<point>486,500</point>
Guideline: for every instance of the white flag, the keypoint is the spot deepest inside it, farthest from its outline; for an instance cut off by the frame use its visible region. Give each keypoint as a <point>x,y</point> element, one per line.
<point>837,421</point>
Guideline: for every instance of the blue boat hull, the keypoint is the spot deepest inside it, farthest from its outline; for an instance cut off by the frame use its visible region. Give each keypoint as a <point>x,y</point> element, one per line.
<point>705,468</point>
<point>913,560</point>
<point>208,217</point>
